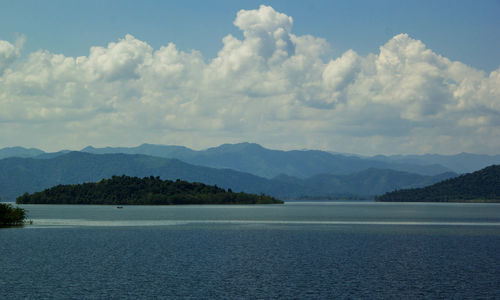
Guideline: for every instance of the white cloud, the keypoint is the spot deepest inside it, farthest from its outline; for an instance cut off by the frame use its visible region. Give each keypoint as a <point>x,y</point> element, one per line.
<point>8,53</point>
<point>271,87</point>
<point>267,32</point>
<point>119,61</point>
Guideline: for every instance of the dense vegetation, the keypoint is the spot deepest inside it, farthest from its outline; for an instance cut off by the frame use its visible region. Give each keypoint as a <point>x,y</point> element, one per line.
<point>480,186</point>
<point>11,216</point>
<point>151,190</point>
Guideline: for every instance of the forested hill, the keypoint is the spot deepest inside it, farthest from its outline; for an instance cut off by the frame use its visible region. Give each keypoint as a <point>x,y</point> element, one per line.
<point>120,190</point>
<point>480,186</point>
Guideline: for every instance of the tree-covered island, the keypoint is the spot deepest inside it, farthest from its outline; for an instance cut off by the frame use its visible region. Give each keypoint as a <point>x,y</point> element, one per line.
<point>11,216</point>
<point>125,190</point>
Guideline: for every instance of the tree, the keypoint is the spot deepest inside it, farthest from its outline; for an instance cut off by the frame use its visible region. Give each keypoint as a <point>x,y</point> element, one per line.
<point>11,216</point>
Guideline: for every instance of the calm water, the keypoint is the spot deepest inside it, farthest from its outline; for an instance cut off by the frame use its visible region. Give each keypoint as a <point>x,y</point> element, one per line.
<point>292,251</point>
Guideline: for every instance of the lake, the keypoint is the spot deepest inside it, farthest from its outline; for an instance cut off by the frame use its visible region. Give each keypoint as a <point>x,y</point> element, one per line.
<point>299,250</point>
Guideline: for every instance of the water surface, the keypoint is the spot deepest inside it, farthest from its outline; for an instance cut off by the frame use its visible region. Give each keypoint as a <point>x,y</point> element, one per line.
<point>292,251</point>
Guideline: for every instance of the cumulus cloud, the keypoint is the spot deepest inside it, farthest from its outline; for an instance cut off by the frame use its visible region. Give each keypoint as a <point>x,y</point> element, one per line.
<point>8,53</point>
<point>119,61</point>
<point>267,32</point>
<point>271,87</point>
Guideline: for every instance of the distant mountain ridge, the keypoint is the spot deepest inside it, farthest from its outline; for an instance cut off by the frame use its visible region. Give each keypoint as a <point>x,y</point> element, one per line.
<point>20,175</point>
<point>263,162</point>
<point>460,163</point>
<point>257,160</point>
<point>19,152</point>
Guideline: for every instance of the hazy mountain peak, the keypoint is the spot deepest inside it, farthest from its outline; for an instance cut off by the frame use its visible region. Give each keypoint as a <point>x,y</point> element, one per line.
<point>19,152</point>
<point>245,146</point>
<point>88,148</point>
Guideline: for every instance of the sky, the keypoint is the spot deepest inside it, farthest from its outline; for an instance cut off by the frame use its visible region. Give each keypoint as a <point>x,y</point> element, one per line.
<point>364,77</point>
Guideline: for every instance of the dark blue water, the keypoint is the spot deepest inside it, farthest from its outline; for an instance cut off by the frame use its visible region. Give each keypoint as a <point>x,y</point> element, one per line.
<point>194,253</point>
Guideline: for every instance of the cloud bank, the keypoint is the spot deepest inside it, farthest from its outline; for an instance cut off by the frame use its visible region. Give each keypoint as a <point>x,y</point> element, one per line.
<point>271,87</point>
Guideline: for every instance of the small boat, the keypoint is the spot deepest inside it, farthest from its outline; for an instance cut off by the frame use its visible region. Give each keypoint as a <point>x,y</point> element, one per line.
<point>119,207</point>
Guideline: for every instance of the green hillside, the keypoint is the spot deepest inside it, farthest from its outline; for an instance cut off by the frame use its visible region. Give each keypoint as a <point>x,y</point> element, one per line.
<point>480,186</point>
<point>121,190</point>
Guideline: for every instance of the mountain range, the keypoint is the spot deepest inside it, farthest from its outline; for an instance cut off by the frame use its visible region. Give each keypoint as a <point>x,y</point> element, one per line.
<point>21,175</point>
<point>268,163</point>
<point>242,167</point>
<point>257,160</point>
<point>20,152</point>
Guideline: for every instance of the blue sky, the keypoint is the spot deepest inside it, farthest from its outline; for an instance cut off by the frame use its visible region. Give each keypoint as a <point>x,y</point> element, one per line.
<point>468,31</point>
<point>364,77</point>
